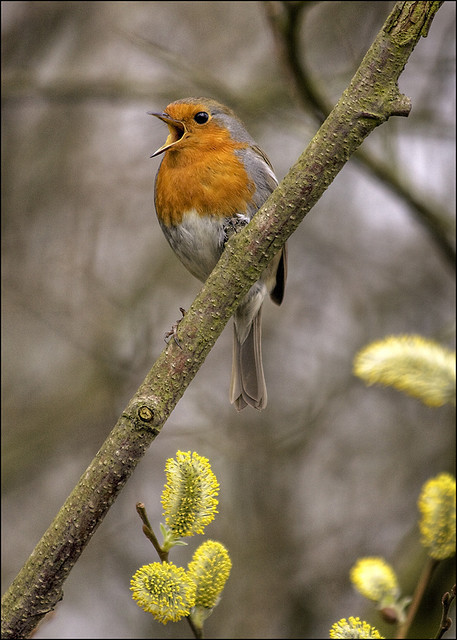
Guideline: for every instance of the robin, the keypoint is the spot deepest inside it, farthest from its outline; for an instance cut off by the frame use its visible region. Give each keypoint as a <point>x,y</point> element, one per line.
<point>211,181</point>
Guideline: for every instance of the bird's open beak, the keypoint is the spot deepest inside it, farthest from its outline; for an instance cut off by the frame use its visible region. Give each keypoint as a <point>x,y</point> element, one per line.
<point>176,128</point>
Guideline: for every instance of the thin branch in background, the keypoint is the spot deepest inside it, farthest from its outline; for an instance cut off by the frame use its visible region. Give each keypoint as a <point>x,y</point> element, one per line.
<point>286,21</point>
<point>201,77</point>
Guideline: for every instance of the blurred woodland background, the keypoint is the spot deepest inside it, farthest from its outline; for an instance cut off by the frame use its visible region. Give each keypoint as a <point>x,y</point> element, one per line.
<point>331,470</point>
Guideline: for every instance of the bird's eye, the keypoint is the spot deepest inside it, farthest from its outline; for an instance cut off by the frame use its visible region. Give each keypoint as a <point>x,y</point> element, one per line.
<point>201,117</point>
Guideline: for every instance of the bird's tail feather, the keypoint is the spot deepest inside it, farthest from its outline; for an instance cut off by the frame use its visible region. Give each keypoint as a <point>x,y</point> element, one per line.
<point>247,386</point>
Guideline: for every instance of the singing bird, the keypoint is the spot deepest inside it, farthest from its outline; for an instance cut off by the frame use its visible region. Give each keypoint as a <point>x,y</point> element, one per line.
<point>211,181</point>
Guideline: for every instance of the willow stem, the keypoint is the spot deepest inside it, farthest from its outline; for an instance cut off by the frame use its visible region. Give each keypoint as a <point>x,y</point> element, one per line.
<point>197,631</point>
<point>424,580</point>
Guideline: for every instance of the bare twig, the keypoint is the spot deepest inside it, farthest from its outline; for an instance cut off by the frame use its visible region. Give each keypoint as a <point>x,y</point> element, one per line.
<point>149,533</point>
<point>446,622</point>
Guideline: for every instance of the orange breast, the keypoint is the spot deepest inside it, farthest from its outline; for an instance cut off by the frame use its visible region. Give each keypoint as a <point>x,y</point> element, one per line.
<point>203,173</point>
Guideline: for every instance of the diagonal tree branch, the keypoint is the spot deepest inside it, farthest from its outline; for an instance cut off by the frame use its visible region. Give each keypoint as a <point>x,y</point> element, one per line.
<point>371,98</point>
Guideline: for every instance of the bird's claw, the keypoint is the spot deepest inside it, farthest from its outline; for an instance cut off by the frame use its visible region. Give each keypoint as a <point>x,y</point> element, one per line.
<point>174,330</point>
<point>234,225</point>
